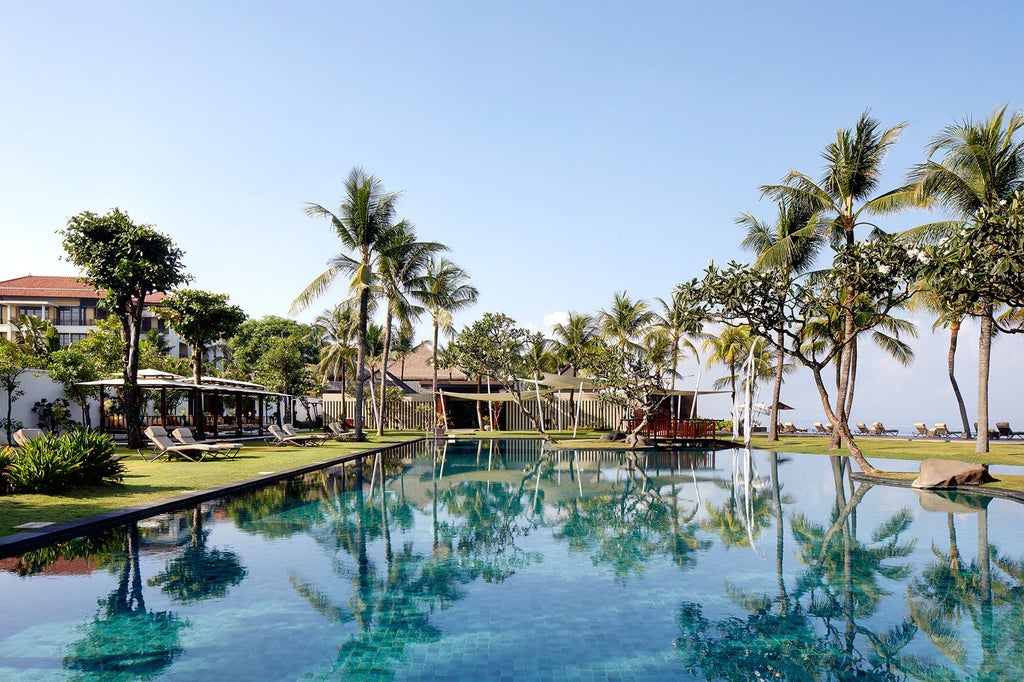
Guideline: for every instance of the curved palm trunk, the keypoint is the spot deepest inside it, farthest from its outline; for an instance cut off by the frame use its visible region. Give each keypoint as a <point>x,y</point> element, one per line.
<point>842,427</point>
<point>984,356</point>
<point>384,369</point>
<point>954,333</point>
<point>357,421</point>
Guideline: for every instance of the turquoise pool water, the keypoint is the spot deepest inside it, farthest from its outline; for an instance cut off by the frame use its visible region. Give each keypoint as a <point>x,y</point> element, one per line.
<point>491,560</point>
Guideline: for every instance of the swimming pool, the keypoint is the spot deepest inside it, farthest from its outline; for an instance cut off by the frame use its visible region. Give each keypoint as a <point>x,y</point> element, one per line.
<point>493,560</point>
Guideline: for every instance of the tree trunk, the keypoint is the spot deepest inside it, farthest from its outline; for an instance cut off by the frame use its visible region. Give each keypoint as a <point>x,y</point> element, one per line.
<point>131,324</point>
<point>984,356</point>
<point>773,426</point>
<point>357,421</point>
<point>842,427</point>
<point>433,390</point>
<point>197,379</point>
<point>954,333</point>
<point>384,371</point>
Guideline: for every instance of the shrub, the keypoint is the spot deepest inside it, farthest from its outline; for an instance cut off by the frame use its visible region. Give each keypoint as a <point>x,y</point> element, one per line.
<point>6,457</point>
<point>53,463</point>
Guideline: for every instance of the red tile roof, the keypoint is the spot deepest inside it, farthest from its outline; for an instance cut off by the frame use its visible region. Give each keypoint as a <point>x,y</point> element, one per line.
<point>49,286</point>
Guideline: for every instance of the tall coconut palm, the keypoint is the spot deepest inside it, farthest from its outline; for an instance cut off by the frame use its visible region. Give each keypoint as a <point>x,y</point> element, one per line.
<point>335,333</point>
<point>844,198</point>
<point>677,321</point>
<point>401,264</point>
<point>626,322</point>
<point>730,348</point>
<point>363,223</point>
<point>573,340</point>
<point>981,165</point>
<point>444,290</point>
<point>789,246</point>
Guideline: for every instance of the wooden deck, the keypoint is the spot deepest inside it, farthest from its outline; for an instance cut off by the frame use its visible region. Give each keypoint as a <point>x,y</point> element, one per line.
<point>677,432</point>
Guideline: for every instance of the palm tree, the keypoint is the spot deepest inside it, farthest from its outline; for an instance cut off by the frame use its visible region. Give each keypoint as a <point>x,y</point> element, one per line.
<point>335,331</point>
<point>364,223</point>
<point>789,247</point>
<point>676,321</point>
<point>730,348</point>
<point>843,199</point>
<point>444,290</point>
<point>572,341</point>
<point>402,263</point>
<point>626,322</point>
<point>982,165</point>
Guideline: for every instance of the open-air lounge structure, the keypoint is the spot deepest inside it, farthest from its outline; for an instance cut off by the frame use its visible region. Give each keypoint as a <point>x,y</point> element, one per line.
<point>230,408</point>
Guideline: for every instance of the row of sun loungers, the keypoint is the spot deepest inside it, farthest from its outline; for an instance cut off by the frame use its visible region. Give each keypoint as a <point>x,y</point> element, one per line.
<point>186,447</point>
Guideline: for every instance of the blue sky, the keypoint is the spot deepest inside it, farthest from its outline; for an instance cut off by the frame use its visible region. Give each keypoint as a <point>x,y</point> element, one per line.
<point>564,151</point>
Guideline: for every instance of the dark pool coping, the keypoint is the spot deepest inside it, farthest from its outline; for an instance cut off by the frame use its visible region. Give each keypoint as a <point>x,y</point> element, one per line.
<point>19,543</point>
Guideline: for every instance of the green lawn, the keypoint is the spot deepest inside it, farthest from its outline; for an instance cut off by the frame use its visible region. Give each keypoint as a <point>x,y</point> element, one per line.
<point>146,482</point>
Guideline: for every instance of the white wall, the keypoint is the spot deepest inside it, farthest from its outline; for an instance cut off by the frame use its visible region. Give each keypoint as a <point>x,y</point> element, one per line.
<point>37,385</point>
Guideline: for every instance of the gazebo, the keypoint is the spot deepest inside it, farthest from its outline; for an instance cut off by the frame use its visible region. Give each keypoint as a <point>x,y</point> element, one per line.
<point>216,388</point>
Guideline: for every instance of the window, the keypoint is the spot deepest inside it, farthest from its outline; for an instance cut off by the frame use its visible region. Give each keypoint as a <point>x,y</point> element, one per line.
<point>68,339</point>
<point>31,311</point>
<point>71,316</point>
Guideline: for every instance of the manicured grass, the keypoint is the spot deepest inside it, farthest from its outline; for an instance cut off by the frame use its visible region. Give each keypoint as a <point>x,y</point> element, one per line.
<point>1001,452</point>
<point>146,482</point>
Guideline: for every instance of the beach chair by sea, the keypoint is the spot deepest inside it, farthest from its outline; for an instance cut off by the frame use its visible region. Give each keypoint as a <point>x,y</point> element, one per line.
<point>164,448</point>
<point>184,436</point>
<point>279,437</point>
<point>863,430</point>
<point>878,429</point>
<point>921,431</point>
<point>820,428</point>
<point>1006,432</point>
<point>940,431</point>
<point>790,427</point>
<point>315,438</point>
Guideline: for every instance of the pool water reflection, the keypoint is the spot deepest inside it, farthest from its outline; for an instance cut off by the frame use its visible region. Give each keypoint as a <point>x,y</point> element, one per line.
<point>493,560</point>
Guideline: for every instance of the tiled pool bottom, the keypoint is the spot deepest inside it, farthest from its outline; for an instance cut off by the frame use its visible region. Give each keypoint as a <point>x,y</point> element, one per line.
<point>467,573</point>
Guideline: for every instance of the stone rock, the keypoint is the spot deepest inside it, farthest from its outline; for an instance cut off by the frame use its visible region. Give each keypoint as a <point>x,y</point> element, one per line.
<point>613,436</point>
<point>949,473</point>
<point>637,441</point>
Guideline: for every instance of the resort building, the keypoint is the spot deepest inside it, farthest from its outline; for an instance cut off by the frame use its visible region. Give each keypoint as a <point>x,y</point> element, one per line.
<point>70,305</point>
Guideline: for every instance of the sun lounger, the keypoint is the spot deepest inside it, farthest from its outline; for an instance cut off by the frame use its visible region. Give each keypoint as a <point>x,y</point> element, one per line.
<point>940,431</point>
<point>184,436</point>
<point>164,448</point>
<point>1006,432</point>
<point>315,438</point>
<point>862,429</point>
<point>23,436</point>
<point>820,428</point>
<point>340,431</point>
<point>279,437</point>
<point>878,429</point>
<point>789,427</point>
<point>992,433</point>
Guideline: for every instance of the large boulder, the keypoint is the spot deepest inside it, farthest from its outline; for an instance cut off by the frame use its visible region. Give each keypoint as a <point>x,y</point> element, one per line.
<point>613,436</point>
<point>950,473</point>
<point>637,441</point>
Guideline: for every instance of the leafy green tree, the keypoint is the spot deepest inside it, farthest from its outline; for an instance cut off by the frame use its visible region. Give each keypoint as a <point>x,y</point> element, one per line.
<point>200,317</point>
<point>364,224</point>
<point>13,363</point>
<point>284,365</point>
<point>103,345</point>
<point>626,375</point>
<point>495,346</point>
<point>128,262</point>
<point>250,342</point>
<point>978,177</point>
<point>444,291</point>
<point>883,271</point>
<point>681,319</point>
<point>70,366</point>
